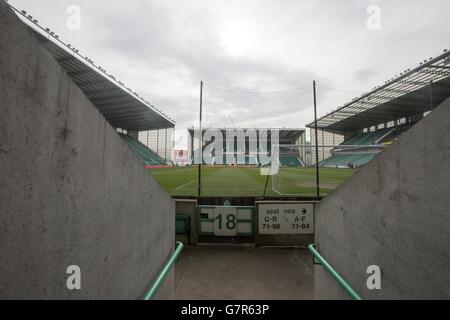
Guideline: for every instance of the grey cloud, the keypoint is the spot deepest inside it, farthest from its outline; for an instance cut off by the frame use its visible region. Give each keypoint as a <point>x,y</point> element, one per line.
<point>364,74</point>
<point>161,44</point>
<point>164,48</point>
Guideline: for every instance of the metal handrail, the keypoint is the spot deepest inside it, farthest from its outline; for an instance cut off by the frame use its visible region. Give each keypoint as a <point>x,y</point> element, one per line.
<point>351,292</point>
<point>164,271</point>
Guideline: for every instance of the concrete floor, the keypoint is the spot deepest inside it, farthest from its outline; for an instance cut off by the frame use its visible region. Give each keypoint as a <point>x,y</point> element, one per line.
<point>239,272</point>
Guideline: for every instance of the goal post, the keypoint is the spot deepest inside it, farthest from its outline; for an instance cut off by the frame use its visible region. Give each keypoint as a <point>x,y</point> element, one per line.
<point>290,159</point>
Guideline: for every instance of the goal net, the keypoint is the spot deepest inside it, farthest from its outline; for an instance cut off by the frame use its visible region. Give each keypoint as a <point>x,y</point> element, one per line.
<point>240,129</point>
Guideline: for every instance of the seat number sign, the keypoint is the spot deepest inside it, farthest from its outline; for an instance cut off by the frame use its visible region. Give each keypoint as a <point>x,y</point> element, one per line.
<point>286,218</point>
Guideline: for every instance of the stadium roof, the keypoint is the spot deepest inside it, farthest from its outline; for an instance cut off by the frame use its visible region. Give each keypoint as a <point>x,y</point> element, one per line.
<point>404,95</point>
<point>122,107</point>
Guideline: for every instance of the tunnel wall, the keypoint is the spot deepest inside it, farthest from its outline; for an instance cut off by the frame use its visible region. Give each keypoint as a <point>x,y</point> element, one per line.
<point>71,191</point>
<point>394,213</point>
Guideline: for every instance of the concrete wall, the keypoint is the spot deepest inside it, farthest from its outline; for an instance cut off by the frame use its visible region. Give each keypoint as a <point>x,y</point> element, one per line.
<point>394,213</point>
<point>71,191</point>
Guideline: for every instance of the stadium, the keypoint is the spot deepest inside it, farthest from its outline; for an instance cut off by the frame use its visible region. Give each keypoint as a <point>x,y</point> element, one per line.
<point>93,183</point>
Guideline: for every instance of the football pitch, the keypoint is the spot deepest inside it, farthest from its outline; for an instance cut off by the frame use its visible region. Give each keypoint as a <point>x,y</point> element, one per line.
<point>245,181</point>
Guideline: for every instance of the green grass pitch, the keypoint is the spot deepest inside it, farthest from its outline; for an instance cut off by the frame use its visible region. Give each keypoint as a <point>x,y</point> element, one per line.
<point>245,181</point>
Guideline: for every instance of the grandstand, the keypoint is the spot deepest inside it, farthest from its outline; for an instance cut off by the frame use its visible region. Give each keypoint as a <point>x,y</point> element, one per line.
<point>122,107</point>
<point>368,138</point>
<point>358,150</point>
<point>289,154</point>
<point>149,157</point>
<point>370,123</point>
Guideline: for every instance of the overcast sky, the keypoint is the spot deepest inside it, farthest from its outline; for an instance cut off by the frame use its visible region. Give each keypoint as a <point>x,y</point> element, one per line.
<point>162,49</point>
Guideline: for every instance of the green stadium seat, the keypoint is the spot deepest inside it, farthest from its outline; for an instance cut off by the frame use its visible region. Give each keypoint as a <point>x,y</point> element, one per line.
<point>148,156</point>
<point>357,158</point>
<point>182,223</point>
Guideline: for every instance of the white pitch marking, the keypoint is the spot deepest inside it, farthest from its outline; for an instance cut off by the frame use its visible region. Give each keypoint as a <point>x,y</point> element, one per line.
<point>184,185</point>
